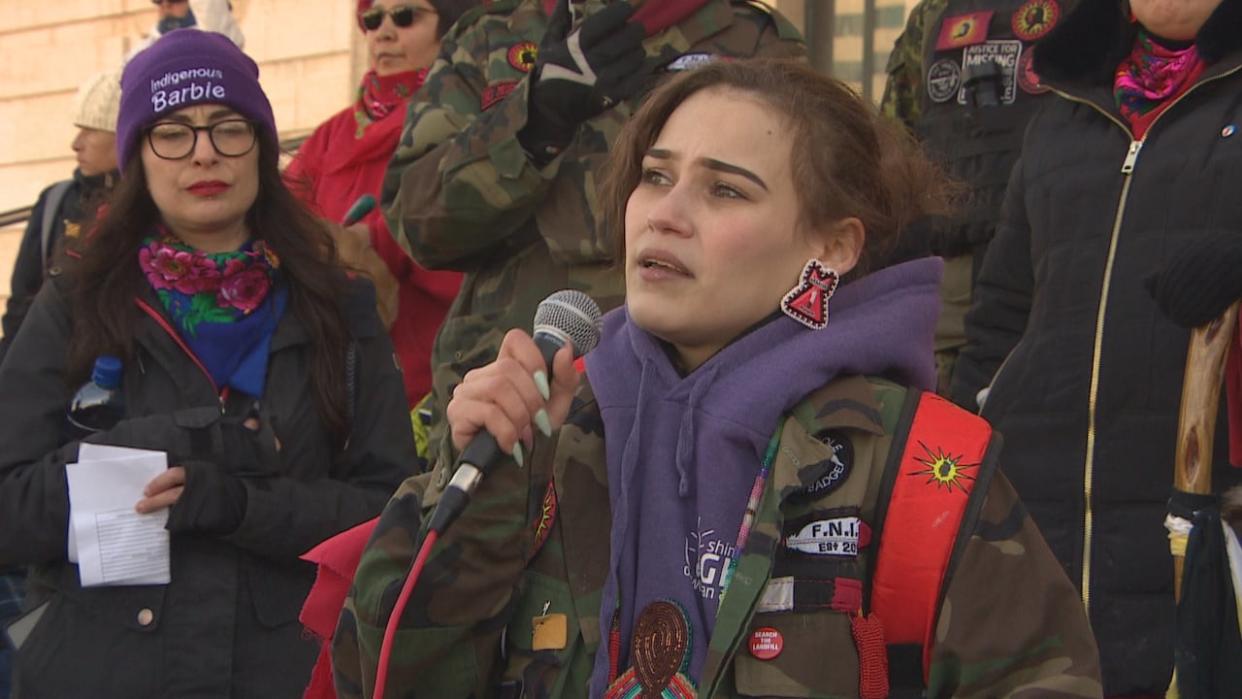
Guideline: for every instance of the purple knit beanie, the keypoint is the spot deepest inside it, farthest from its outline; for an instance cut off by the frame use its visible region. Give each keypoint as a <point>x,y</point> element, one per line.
<point>183,68</point>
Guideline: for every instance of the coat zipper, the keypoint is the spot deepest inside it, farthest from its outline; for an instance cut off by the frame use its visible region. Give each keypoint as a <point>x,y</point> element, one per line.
<point>1127,171</point>
<point>222,395</point>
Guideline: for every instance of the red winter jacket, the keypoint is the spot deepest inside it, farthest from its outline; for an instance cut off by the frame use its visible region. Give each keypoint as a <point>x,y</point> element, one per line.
<point>332,169</point>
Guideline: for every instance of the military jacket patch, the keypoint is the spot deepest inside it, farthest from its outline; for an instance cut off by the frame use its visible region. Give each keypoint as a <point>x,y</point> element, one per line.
<point>944,80</point>
<point>1028,79</point>
<point>495,92</point>
<point>963,30</point>
<point>547,516</point>
<point>690,61</point>
<point>839,536</point>
<point>523,56</point>
<point>1035,19</point>
<point>1004,54</point>
<point>835,470</point>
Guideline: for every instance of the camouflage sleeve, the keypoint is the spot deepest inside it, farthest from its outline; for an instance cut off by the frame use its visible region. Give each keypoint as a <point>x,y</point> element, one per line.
<point>1011,624</point>
<point>780,39</point>
<point>905,67</point>
<point>459,184</point>
<point>450,633</point>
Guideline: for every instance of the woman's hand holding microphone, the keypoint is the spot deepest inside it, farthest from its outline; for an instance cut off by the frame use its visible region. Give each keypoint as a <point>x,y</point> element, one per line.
<point>513,396</point>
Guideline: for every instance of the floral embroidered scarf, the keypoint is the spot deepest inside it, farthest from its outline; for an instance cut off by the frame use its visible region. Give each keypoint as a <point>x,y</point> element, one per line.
<point>1151,77</point>
<point>225,306</point>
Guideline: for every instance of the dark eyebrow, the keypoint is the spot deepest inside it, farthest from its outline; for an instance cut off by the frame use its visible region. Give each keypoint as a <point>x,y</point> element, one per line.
<point>719,166</point>
<point>712,164</point>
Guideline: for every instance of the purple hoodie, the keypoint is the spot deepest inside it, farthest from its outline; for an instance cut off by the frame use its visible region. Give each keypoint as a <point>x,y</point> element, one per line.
<point>684,451</point>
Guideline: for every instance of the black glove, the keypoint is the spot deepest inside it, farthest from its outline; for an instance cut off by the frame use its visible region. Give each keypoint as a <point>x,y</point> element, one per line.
<point>214,499</point>
<point>213,502</point>
<point>581,74</point>
<point>1200,280</point>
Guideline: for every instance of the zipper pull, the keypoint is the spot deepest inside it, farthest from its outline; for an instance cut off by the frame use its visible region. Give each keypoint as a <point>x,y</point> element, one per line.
<point>1127,167</point>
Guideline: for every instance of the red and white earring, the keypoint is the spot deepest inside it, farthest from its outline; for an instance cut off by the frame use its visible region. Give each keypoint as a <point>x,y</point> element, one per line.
<point>807,302</point>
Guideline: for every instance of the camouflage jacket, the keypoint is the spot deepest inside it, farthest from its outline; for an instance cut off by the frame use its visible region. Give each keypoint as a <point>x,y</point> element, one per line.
<point>903,92</point>
<point>1009,624</point>
<point>460,192</point>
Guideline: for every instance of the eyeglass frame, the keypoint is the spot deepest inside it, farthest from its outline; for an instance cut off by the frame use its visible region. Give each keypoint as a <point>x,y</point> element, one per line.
<point>381,12</point>
<point>211,137</point>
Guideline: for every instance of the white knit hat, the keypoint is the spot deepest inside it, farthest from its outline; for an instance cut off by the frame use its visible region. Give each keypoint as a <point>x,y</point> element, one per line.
<point>98,101</point>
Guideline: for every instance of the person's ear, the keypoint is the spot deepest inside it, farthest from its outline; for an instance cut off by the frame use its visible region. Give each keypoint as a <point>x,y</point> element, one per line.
<point>840,244</point>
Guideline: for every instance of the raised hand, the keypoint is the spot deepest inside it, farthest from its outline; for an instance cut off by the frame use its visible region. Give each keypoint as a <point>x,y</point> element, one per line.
<point>581,73</point>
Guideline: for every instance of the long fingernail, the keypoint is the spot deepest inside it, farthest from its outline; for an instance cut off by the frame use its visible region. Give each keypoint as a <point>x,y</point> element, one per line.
<point>517,454</point>
<point>543,423</point>
<point>541,383</point>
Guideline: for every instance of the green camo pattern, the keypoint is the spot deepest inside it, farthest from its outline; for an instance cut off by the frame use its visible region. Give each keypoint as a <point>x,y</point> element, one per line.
<point>460,192</point>
<point>1011,623</point>
<point>904,90</point>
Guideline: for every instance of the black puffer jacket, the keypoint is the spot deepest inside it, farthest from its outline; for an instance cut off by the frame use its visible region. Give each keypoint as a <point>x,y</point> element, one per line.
<point>1088,396</point>
<point>227,623</point>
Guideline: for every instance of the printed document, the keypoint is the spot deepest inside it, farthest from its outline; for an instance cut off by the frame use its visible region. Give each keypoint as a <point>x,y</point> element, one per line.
<point>111,543</point>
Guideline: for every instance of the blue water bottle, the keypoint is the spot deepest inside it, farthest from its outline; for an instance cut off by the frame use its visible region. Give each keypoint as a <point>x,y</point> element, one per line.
<point>99,405</point>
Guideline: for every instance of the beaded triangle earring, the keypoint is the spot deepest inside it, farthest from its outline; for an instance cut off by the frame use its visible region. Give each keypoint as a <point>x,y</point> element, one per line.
<point>807,302</point>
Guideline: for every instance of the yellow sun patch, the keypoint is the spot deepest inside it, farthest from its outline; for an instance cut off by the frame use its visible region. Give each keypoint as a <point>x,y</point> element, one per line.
<point>944,470</point>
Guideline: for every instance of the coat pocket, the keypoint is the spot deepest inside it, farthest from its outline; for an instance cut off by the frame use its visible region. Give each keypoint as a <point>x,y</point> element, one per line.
<point>797,654</point>
<point>94,642</point>
<point>277,590</point>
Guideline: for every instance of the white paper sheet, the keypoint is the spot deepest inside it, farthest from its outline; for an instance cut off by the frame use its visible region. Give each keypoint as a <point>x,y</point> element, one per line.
<point>114,544</point>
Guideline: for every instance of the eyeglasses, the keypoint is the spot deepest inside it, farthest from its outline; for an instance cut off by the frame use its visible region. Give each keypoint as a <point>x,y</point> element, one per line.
<point>231,138</point>
<point>169,2</point>
<point>402,16</point>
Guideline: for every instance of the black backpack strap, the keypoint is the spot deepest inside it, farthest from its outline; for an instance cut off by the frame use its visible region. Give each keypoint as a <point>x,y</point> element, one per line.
<point>51,209</point>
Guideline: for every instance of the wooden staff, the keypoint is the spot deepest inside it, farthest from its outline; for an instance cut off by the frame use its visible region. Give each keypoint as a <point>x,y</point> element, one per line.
<point>1196,422</point>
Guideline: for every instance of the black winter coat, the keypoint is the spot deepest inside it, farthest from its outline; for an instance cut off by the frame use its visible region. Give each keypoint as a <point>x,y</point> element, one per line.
<point>226,626</point>
<point>1088,393</point>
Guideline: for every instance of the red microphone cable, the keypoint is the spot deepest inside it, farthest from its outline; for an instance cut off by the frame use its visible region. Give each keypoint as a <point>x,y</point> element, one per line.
<point>567,317</point>
<point>452,503</point>
<point>390,631</point>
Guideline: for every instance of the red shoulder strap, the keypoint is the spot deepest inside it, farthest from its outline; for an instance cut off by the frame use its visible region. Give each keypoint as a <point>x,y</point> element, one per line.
<point>930,493</point>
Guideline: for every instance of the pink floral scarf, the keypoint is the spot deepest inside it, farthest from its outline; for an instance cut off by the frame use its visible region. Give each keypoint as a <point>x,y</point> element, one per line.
<point>220,303</point>
<point>1151,77</point>
<point>197,287</point>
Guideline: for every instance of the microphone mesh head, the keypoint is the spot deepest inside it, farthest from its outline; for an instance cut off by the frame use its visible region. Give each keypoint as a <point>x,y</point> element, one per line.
<point>573,315</point>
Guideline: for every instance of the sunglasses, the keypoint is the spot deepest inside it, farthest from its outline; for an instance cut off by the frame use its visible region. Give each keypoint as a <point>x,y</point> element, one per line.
<point>402,16</point>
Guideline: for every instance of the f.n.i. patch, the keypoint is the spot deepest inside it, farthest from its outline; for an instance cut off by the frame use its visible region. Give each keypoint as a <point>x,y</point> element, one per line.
<point>838,536</point>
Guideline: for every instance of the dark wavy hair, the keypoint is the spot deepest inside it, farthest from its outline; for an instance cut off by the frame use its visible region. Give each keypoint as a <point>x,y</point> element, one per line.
<point>848,160</point>
<point>104,281</point>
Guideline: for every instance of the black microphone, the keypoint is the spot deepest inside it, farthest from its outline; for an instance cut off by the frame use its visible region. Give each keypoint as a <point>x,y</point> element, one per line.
<point>361,208</point>
<point>567,317</point>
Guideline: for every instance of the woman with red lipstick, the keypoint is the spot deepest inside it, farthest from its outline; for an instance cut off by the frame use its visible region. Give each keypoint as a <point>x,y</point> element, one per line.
<point>755,492</point>
<point>249,358</point>
<point>346,156</point>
